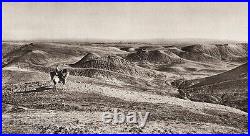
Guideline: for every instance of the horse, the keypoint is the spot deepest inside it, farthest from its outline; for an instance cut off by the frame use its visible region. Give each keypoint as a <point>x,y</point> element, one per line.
<point>59,76</point>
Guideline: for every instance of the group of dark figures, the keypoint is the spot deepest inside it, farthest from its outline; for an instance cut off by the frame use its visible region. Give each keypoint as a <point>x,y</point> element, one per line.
<point>59,76</point>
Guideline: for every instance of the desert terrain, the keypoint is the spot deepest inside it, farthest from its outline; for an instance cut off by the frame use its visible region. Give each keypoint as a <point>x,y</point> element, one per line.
<point>188,86</point>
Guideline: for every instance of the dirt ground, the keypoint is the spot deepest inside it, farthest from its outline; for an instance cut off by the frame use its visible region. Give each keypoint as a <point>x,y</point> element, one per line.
<point>31,104</point>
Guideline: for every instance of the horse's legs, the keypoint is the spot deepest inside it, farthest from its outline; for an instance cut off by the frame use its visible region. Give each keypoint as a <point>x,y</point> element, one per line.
<point>54,84</point>
<point>63,81</point>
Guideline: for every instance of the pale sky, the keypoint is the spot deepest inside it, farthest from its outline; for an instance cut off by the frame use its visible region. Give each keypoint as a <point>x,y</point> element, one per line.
<point>120,21</point>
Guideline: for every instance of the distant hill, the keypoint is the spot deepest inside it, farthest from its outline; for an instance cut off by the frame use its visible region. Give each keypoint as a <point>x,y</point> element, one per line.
<point>215,52</point>
<point>154,56</point>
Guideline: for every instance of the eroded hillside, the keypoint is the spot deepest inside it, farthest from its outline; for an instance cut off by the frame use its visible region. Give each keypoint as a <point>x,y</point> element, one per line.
<point>192,88</point>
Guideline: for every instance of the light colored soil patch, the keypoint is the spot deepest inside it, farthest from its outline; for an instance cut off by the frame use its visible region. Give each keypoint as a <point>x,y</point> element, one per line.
<point>145,97</point>
<point>45,121</point>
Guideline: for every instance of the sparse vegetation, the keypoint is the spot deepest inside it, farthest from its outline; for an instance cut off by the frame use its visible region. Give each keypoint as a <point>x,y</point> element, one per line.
<point>187,87</point>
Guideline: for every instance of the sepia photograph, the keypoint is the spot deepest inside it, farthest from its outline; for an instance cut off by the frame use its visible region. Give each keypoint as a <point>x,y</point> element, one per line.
<point>125,68</point>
